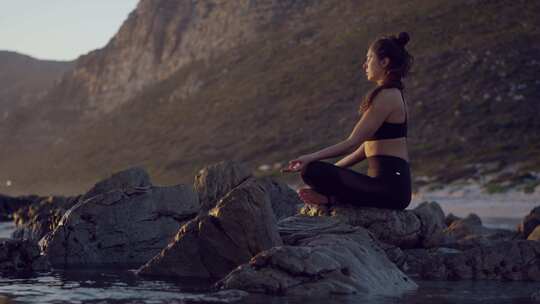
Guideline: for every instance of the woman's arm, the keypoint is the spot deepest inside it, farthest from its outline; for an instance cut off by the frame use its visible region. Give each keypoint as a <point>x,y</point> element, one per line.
<point>370,121</point>
<point>353,158</point>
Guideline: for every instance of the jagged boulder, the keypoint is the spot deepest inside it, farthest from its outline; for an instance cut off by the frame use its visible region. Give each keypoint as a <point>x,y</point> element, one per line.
<point>241,225</point>
<point>135,177</point>
<point>530,222</point>
<point>122,227</point>
<point>469,231</point>
<point>20,256</point>
<point>323,256</point>
<point>41,217</point>
<point>216,180</point>
<point>421,227</point>
<point>500,260</point>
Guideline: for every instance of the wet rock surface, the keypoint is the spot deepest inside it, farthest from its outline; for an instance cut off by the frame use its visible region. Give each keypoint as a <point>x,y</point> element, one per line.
<point>323,256</point>
<point>121,227</point>
<point>44,213</point>
<point>241,225</point>
<point>20,256</point>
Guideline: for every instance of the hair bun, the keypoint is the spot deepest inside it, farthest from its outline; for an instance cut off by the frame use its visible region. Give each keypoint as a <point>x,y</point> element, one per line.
<point>402,38</point>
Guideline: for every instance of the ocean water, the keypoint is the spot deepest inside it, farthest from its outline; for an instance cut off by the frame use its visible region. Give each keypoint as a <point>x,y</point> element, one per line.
<point>122,286</point>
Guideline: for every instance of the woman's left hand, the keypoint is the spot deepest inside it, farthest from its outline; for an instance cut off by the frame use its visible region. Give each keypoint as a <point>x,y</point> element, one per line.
<point>298,164</point>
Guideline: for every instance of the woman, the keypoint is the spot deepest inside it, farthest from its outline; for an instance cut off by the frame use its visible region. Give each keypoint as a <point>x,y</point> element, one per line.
<point>379,137</point>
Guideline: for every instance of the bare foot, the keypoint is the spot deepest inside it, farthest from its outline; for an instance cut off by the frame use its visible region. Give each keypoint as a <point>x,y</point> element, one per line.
<point>310,196</point>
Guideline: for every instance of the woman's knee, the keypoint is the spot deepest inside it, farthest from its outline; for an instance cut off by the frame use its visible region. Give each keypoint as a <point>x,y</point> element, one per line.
<point>312,169</point>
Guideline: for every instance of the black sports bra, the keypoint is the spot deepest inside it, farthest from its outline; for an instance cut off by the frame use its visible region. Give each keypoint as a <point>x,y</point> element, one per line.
<point>392,130</point>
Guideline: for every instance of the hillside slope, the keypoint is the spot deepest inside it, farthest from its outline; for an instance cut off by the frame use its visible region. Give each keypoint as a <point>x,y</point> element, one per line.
<point>286,79</point>
<point>25,79</point>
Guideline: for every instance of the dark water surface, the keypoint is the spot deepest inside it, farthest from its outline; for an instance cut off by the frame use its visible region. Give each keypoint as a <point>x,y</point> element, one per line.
<point>93,286</point>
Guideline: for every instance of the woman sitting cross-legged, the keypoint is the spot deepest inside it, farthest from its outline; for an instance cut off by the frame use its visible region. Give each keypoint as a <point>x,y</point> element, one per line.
<point>380,137</point>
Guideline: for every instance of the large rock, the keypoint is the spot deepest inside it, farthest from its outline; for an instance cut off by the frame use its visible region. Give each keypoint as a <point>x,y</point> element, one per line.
<point>20,256</point>
<point>285,201</point>
<point>501,260</point>
<point>122,227</point>
<point>216,180</point>
<point>41,217</point>
<point>530,222</point>
<point>432,222</point>
<point>241,225</point>
<point>323,256</point>
<point>36,220</point>
<point>421,227</point>
<point>134,177</point>
<point>469,232</point>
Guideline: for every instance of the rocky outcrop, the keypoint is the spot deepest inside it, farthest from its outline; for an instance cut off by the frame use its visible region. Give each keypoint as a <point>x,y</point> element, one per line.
<point>135,177</point>
<point>214,181</point>
<point>121,227</point>
<point>530,222</point>
<point>36,220</point>
<point>323,256</point>
<point>501,260</point>
<point>20,256</point>
<point>421,227</point>
<point>285,201</point>
<point>469,231</point>
<point>43,215</point>
<point>241,225</point>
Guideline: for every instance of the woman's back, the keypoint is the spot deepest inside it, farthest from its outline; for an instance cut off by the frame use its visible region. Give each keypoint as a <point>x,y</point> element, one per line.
<point>390,146</point>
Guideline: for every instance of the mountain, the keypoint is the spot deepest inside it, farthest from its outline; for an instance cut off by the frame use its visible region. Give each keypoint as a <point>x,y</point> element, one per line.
<point>187,83</point>
<point>25,79</point>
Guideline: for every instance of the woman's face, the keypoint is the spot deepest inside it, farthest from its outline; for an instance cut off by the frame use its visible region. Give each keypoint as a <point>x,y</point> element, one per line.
<point>374,67</point>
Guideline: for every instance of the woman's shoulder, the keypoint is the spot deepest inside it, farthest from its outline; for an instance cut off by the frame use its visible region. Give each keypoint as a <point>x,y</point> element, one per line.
<point>388,95</point>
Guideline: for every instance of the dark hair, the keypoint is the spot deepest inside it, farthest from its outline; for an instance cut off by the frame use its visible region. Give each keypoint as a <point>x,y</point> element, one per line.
<point>393,48</point>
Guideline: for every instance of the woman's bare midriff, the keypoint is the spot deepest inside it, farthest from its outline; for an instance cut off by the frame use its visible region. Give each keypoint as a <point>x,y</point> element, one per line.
<point>393,147</point>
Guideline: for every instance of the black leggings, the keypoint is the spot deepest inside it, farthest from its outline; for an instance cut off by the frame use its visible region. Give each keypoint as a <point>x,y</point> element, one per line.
<point>387,184</point>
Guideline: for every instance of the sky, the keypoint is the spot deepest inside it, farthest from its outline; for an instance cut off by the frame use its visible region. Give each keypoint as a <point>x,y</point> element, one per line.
<point>60,29</point>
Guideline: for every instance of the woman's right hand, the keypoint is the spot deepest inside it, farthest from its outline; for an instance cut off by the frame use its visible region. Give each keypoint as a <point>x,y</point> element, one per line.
<point>297,164</point>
